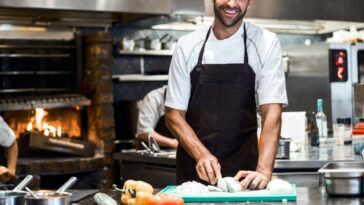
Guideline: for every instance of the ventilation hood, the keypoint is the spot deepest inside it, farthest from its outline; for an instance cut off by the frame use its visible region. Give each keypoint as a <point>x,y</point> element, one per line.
<point>303,16</point>
<point>92,12</point>
<point>304,10</point>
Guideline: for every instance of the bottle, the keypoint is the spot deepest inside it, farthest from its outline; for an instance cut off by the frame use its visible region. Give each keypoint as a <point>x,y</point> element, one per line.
<point>321,121</point>
<point>346,122</point>
<point>314,131</point>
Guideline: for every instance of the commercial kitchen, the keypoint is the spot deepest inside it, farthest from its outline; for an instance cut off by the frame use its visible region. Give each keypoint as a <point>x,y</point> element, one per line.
<point>74,75</point>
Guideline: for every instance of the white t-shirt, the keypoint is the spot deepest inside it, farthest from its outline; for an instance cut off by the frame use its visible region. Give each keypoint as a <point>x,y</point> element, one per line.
<point>265,58</point>
<point>151,109</point>
<point>7,135</point>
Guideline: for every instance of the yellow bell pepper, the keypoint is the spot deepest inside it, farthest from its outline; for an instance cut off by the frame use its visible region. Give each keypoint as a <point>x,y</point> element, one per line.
<point>136,193</point>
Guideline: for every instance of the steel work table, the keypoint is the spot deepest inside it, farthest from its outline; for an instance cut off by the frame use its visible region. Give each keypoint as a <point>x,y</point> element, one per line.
<point>300,169</point>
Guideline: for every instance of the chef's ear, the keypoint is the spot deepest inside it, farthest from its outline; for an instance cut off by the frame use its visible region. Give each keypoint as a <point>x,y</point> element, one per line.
<point>250,2</point>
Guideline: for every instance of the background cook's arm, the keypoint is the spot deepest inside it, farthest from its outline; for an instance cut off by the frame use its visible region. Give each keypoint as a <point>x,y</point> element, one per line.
<point>271,121</point>
<point>12,158</point>
<point>208,168</point>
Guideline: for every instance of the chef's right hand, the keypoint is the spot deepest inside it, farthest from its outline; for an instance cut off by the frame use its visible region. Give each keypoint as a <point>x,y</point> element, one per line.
<point>208,168</point>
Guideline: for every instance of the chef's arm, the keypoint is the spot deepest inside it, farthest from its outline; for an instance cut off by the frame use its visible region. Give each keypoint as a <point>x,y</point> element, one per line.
<point>271,122</point>
<point>161,139</point>
<point>12,157</point>
<point>207,165</point>
<point>176,123</point>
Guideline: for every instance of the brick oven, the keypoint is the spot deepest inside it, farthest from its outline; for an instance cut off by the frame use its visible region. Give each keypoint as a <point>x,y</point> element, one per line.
<point>56,94</point>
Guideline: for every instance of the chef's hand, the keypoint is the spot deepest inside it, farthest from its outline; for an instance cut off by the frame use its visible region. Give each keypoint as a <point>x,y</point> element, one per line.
<point>252,179</point>
<point>5,174</point>
<point>208,168</point>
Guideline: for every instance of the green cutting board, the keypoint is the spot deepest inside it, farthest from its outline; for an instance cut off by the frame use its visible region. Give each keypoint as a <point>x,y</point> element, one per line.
<point>259,195</point>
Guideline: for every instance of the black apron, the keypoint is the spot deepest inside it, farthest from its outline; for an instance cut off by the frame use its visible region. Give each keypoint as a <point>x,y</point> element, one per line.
<point>222,112</point>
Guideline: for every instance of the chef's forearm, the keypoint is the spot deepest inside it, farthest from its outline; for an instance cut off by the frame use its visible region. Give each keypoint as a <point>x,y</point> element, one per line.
<point>163,141</point>
<point>271,115</point>
<point>176,123</point>
<point>12,156</point>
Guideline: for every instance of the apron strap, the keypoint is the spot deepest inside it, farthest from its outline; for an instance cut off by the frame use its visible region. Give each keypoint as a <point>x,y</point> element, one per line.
<point>246,59</point>
<point>199,62</point>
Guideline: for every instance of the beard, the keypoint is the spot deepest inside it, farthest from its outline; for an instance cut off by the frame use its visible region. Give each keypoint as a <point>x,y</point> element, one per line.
<point>227,22</point>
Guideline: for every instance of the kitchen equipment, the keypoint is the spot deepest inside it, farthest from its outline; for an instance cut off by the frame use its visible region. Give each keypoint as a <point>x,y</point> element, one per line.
<point>259,195</point>
<point>327,71</point>
<point>59,197</point>
<point>343,178</point>
<point>283,148</point>
<point>31,193</point>
<point>152,43</point>
<point>16,196</point>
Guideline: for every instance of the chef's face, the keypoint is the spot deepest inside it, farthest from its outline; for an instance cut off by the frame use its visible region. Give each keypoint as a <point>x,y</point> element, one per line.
<point>230,12</point>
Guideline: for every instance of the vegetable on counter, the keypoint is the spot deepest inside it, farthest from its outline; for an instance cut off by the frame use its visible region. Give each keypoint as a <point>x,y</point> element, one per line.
<point>135,192</point>
<point>103,199</point>
<point>165,199</point>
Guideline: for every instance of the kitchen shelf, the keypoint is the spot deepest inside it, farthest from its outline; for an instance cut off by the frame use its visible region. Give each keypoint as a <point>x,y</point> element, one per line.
<point>147,52</point>
<point>35,72</point>
<point>140,77</point>
<point>34,55</point>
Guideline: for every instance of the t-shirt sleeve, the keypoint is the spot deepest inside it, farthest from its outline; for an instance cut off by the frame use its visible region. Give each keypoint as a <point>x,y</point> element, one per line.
<point>7,135</point>
<point>148,115</point>
<point>271,82</point>
<point>179,85</point>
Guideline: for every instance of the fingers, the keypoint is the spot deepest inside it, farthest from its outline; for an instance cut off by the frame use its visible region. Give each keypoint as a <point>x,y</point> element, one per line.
<point>252,180</point>
<point>208,169</point>
<point>241,174</point>
<point>247,180</point>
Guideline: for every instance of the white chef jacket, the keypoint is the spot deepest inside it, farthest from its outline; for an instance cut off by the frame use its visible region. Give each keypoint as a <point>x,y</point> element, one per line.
<point>151,109</point>
<point>7,135</point>
<point>265,58</point>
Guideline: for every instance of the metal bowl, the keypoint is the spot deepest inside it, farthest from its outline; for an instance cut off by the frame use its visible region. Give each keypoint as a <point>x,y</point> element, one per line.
<point>343,178</point>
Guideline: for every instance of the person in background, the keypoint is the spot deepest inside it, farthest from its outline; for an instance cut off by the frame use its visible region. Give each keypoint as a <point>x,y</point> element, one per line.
<point>7,142</point>
<point>215,74</point>
<point>151,119</point>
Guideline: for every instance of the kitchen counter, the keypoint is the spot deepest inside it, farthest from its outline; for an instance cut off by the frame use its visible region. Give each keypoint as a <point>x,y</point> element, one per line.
<point>300,169</point>
<point>305,196</point>
<point>307,158</point>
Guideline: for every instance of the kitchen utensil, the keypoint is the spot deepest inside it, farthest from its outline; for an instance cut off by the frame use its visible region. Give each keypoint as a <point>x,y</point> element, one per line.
<point>259,195</point>
<point>343,178</point>
<point>283,148</point>
<point>31,192</point>
<point>15,196</point>
<point>47,197</point>
<point>152,44</point>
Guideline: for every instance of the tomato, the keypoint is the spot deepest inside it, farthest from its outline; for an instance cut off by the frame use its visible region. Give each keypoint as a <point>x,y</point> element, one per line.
<point>165,199</point>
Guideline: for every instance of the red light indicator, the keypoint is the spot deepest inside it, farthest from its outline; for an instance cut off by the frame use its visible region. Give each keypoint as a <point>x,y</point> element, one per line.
<point>340,73</point>
<point>342,53</point>
<point>340,60</point>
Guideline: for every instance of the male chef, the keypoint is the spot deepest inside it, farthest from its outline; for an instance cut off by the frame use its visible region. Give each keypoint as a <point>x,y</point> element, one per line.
<point>215,76</point>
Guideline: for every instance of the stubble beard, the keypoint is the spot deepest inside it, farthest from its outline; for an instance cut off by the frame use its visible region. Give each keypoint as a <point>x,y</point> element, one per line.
<point>220,17</point>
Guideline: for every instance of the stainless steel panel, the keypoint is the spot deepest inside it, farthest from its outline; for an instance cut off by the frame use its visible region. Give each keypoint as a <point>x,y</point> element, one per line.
<point>349,10</point>
<point>307,77</point>
<point>359,101</point>
<point>129,6</point>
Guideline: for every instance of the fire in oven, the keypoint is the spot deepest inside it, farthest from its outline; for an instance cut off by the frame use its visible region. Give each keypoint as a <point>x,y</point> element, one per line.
<point>41,95</point>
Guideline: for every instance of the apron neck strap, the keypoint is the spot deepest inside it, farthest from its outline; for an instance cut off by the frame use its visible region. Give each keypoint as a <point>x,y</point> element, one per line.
<point>199,62</point>
<point>246,61</point>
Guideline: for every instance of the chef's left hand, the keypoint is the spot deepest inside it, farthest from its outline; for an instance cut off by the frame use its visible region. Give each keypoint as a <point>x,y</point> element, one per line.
<point>252,179</point>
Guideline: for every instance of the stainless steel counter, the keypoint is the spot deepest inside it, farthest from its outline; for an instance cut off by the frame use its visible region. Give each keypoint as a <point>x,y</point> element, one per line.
<point>307,158</point>
<point>301,169</point>
<point>316,157</point>
<point>305,196</point>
